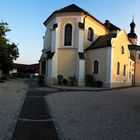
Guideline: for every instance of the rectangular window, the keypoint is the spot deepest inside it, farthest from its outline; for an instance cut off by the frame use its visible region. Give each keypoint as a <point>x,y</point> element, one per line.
<point>124,70</point>
<point>118,68</point>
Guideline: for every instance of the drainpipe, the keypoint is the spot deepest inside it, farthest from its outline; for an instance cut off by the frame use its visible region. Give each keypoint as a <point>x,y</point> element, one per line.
<point>84,20</point>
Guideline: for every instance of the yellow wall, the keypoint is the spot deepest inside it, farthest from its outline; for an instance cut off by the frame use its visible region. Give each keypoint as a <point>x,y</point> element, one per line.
<point>137,73</point>
<point>118,42</point>
<point>117,56</point>
<point>67,56</point>
<point>137,67</point>
<point>62,24</point>
<point>101,55</point>
<point>97,27</point>
<point>67,62</point>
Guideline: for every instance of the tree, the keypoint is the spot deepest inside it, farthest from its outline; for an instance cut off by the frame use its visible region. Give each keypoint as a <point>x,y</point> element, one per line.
<point>8,51</point>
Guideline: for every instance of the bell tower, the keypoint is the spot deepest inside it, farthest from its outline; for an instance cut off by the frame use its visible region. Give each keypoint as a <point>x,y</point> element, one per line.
<point>132,35</point>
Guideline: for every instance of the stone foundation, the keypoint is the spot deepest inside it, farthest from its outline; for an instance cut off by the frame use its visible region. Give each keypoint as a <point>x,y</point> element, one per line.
<point>51,81</point>
<point>81,83</point>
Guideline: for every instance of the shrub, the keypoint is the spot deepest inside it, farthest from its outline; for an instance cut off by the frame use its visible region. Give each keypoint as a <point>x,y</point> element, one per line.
<point>72,80</point>
<point>20,75</point>
<point>89,80</point>
<point>99,83</point>
<point>41,79</point>
<point>60,79</point>
<point>13,76</point>
<point>2,80</point>
<point>65,81</point>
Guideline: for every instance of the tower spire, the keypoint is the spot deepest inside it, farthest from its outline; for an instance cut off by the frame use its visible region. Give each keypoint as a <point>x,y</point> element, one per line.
<point>133,17</point>
<point>132,26</point>
<point>132,35</point>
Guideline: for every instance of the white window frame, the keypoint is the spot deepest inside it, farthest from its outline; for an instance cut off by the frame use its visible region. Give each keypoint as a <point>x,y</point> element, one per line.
<point>88,34</point>
<point>96,59</point>
<point>64,35</point>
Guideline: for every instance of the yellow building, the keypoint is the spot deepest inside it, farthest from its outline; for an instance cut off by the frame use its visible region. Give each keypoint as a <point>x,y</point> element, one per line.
<point>77,44</point>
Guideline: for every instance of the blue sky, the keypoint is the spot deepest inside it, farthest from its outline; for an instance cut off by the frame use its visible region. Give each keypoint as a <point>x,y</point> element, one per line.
<point>26,17</point>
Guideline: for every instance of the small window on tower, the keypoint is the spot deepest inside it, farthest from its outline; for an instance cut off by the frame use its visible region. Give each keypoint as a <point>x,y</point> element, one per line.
<point>118,68</point>
<point>122,50</point>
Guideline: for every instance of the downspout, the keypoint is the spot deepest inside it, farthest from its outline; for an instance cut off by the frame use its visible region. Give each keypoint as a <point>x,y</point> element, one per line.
<point>84,20</point>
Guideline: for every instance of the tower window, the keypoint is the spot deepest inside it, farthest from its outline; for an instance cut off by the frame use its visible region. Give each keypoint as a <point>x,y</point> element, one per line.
<point>68,35</point>
<point>122,50</point>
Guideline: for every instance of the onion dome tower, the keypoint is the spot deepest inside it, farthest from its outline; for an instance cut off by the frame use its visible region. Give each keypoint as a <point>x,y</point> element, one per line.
<point>132,35</point>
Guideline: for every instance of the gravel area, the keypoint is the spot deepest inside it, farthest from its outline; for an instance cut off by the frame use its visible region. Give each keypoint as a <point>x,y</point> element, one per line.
<point>102,115</point>
<point>12,94</point>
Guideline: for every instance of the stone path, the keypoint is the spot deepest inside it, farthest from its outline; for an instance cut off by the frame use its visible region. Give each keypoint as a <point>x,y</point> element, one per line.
<point>35,122</point>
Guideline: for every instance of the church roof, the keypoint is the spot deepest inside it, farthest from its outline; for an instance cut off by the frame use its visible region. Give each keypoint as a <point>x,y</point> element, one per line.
<point>102,41</point>
<point>134,47</point>
<point>132,35</point>
<point>110,26</point>
<point>75,8</point>
<point>72,8</point>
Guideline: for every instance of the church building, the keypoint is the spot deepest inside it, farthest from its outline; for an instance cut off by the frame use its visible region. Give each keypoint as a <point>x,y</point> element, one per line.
<point>77,44</point>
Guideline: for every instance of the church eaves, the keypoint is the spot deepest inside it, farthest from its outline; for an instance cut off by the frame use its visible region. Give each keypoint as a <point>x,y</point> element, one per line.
<point>75,8</point>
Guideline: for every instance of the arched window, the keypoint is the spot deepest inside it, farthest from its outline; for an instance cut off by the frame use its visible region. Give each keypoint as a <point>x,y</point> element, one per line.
<point>122,50</point>
<point>124,70</point>
<point>96,67</point>
<point>68,35</point>
<point>90,34</point>
<point>118,68</point>
<point>43,67</point>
